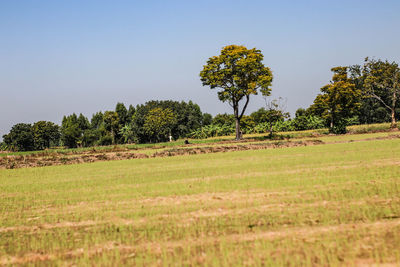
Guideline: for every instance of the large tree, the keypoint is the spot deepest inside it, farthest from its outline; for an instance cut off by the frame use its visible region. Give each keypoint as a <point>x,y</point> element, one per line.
<point>338,100</point>
<point>239,73</point>
<point>382,82</point>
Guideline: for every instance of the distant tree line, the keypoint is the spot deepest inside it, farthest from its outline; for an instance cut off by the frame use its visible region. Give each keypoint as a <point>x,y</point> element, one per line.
<point>154,121</point>
<point>357,94</point>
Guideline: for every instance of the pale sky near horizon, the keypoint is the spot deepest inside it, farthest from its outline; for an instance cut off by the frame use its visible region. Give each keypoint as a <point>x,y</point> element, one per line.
<point>61,57</point>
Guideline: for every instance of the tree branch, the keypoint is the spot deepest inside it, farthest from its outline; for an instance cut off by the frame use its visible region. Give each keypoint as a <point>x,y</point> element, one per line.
<point>245,106</point>
<point>380,99</point>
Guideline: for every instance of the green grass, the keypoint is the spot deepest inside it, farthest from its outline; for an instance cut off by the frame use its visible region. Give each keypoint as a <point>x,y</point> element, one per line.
<point>333,204</point>
<point>356,129</point>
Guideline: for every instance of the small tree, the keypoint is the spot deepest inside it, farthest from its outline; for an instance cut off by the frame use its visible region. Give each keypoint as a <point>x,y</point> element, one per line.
<point>339,100</point>
<point>239,72</point>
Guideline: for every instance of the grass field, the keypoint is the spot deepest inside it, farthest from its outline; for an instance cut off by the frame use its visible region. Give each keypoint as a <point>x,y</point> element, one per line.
<point>331,204</point>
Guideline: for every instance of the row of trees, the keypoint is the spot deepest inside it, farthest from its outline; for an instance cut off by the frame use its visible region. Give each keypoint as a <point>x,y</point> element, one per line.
<point>368,92</point>
<point>40,135</point>
<point>154,121</point>
<point>365,93</point>
<point>361,91</point>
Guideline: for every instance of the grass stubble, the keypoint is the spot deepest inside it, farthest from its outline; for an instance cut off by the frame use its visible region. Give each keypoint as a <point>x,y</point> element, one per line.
<point>331,204</point>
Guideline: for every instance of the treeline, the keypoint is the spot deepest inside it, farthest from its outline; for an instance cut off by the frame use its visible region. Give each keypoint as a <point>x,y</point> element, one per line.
<point>357,94</point>
<point>154,121</point>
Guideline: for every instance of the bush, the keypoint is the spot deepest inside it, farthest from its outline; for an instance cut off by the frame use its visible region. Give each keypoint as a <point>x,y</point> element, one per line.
<point>212,131</point>
<point>283,126</point>
<point>310,122</point>
<point>3,146</point>
<point>338,128</point>
<point>106,140</point>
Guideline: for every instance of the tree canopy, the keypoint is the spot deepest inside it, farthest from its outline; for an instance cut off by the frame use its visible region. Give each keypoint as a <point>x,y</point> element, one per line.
<point>382,82</point>
<point>338,100</point>
<point>239,73</point>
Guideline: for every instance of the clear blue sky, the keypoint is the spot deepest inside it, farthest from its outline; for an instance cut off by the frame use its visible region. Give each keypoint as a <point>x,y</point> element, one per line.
<point>60,57</point>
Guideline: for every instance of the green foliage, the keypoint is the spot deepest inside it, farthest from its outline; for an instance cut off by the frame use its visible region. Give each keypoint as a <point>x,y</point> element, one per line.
<point>83,122</point>
<point>70,132</point>
<point>223,119</point>
<point>188,118</point>
<point>45,134</point>
<point>339,100</point>
<point>122,112</point>
<point>271,115</point>
<point>3,146</point>
<point>239,73</point>
<point>212,130</point>
<point>130,114</point>
<point>97,120</point>
<point>91,137</point>
<point>20,138</point>
<point>339,127</point>
<point>247,124</point>
<point>382,82</point>
<point>127,134</point>
<point>307,122</point>
<point>207,119</point>
<point>158,124</point>
<point>111,124</point>
<point>106,140</point>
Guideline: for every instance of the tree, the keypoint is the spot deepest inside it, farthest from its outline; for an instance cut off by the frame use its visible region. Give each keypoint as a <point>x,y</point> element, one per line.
<point>339,100</point>
<point>70,132</point>
<point>188,118</point>
<point>239,72</point>
<point>122,114</point>
<point>274,111</point>
<point>83,122</point>
<point>20,137</point>
<point>131,112</point>
<point>207,119</point>
<point>91,137</point>
<point>158,124</point>
<point>45,134</point>
<point>127,134</point>
<point>111,123</point>
<point>382,82</point>
<point>97,120</point>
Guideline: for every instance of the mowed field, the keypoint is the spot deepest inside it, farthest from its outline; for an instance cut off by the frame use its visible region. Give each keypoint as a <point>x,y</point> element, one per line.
<point>330,204</point>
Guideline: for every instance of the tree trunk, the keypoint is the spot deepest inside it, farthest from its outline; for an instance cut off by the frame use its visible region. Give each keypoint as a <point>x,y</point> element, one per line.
<point>238,135</point>
<point>393,124</point>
